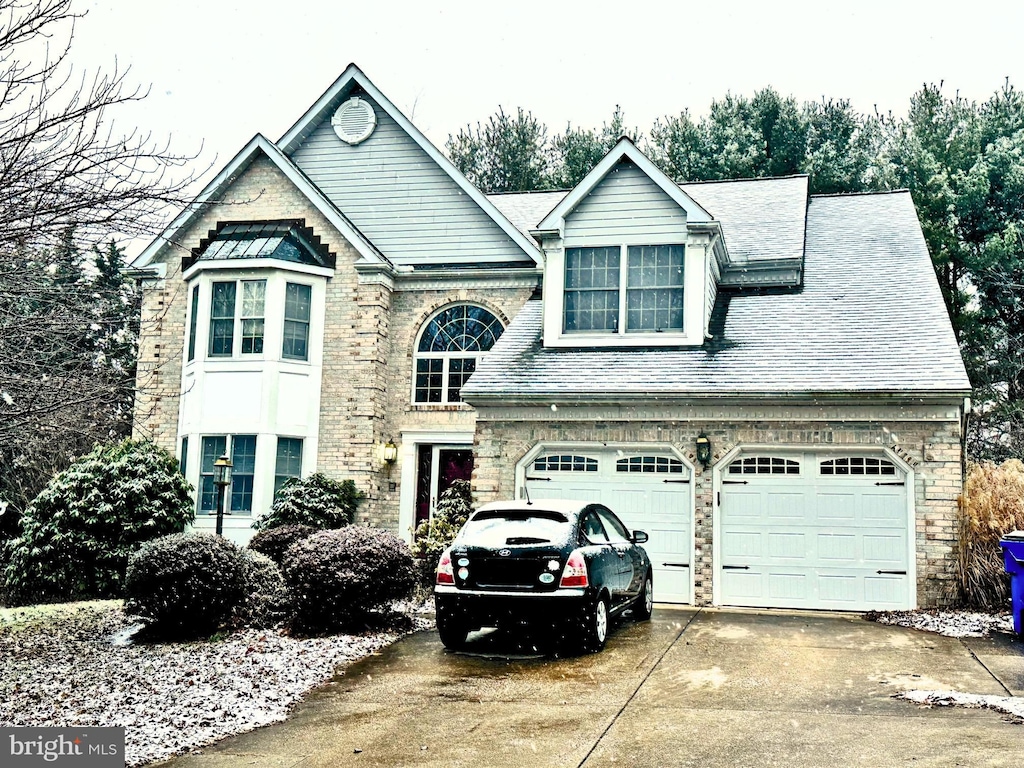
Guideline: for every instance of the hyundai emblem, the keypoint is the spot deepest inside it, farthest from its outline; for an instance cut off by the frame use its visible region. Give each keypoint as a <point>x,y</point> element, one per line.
<point>504,552</point>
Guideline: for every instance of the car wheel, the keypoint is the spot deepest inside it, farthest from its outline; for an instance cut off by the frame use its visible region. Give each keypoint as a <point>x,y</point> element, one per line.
<point>644,605</point>
<point>453,631</point>
<point>595,625</point>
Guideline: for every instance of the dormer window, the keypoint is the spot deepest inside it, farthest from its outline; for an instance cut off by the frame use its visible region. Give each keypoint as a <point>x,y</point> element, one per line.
<point>624,289</point>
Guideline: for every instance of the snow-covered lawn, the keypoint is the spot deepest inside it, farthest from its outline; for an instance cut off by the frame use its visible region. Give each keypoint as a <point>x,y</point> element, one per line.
<point>64,666</point>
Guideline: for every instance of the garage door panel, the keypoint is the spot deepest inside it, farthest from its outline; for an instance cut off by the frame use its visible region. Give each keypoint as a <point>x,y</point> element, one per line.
<point>835,508</point>
<point>885,509</point>
<point>742,545</point>
<point>885,591</point>
<point>783,507</point>
<point>837,548</point>
<point>884,551</point>
<point>787,545</point>
<point>787,586</point>
<point>813,539</point>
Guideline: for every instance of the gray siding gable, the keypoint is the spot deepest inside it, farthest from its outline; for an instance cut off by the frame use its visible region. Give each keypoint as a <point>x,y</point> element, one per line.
<point>626,206</point>
<point>400,198</point>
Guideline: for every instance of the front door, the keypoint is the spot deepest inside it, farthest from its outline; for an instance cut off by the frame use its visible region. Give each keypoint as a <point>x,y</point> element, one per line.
<point>437,467</point>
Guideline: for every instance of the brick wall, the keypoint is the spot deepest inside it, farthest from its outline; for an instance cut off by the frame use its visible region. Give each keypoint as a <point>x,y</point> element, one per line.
<point>932,448</point>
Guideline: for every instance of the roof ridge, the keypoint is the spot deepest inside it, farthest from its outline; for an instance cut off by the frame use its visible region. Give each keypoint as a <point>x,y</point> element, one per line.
<point>866,193</point>
<point>748,178</point>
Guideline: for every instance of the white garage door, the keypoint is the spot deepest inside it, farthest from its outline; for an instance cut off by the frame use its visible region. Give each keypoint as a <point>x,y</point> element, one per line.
<point>649,491</point>
<point>813,530</point>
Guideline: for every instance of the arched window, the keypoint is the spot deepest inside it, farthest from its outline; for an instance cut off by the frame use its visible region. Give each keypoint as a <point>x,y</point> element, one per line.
<point>450,344</point>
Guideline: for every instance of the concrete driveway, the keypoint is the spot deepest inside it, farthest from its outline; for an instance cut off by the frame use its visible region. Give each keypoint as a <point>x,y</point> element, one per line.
<point>691,688</point>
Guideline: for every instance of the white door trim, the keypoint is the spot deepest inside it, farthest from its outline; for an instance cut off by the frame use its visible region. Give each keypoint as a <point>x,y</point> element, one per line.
<point>411,440</point>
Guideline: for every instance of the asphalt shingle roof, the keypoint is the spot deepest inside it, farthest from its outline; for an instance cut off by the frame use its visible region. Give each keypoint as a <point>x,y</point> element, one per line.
<point>761,218</point>
<point>869,318</point>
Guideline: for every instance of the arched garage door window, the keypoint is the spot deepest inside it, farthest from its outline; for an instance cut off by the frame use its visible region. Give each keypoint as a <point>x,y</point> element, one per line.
<point>451,343</point>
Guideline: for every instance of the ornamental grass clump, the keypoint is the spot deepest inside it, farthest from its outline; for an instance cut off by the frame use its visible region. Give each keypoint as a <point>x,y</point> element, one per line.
<point>77,535</point>
<point>186,585</point>
<point>274,542</point>
<point>992,505</point>
<point>339,578</point>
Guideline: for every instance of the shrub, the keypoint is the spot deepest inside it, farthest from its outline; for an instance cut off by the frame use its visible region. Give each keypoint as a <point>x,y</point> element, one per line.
<point>275,541</point>
<point>992,505</point>
<point>317,501</point>
<point>185,584</point>
<point>266,600</point>
<point>77,534</point>
<point>434,536</point>
<point>338,577</point>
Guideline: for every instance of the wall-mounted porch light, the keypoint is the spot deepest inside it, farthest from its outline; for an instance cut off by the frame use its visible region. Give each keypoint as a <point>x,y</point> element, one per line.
<point>390,454</point>
<point>703,450</point>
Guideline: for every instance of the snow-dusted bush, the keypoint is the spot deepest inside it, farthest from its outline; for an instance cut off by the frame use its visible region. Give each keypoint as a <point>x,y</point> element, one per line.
<point>77,534</point>
<point>266,600</point>
<point>338,577</point>
<point>992,505</point>
<point>273,542</point>
<point>316,500</point>
<point>185,584</point>
<point>434,536</point>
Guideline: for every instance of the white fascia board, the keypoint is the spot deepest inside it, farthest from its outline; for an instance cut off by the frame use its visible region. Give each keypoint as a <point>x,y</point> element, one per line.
<point>352,74</point>
<point>260,144</point>
<point>254,265</point>
<point>625,149</point>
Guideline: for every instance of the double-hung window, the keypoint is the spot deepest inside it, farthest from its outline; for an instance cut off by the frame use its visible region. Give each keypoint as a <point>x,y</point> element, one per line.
<point>243,457</point>
<point>230,318</point>
<point>289,461</point>
<point>624,289</point>
<point>297,301</point>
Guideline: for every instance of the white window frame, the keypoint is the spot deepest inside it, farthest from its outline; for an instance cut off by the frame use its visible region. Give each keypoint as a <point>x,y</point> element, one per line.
<point>622,325</point>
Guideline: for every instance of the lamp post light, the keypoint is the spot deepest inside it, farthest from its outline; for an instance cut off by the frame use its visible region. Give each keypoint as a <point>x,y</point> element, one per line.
<point>222,479</point>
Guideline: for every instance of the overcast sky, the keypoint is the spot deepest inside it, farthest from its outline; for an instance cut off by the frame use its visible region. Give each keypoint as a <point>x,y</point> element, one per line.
<point>221,71</point>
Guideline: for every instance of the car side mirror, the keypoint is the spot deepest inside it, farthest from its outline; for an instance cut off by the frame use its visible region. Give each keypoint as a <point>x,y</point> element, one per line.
<point>639,537</point>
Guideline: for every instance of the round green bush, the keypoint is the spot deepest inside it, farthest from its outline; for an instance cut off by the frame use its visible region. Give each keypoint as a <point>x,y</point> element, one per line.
<point>77,534</point>
<point>316,500</point>
<point>266,601</point>
<point>338,577</point>
<point>274,542</point>
<point>185,584</point>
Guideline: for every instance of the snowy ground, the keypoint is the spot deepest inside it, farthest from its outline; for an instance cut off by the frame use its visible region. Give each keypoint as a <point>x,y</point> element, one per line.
<point>69,666</point>
<point>955,624</point>
<point>948,623</point>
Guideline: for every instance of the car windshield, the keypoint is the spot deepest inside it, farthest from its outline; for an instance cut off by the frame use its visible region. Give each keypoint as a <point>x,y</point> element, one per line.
<point>504,528</point>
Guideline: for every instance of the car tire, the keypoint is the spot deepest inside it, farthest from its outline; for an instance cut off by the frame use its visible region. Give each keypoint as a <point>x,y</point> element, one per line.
<point>644,604</point>
<point>596,621</point>
<point>453,630</point>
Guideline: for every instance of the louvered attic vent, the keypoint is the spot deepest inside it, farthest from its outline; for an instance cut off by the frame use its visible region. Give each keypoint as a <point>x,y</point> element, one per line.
<point>281,239</point>
<point>354,120</point>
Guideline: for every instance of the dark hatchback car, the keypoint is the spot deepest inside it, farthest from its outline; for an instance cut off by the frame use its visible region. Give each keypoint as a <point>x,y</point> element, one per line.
<point>567,566</point>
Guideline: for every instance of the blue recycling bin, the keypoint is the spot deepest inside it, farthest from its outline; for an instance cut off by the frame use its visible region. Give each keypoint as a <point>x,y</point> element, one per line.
<point>1013,561</point>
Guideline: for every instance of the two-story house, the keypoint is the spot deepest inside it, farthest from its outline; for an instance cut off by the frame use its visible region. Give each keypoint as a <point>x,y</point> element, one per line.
<point>764,380</point>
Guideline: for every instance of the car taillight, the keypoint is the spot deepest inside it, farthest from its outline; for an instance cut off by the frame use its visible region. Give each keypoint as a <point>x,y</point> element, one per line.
<point>445,574</point>
<point>575,573</point>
